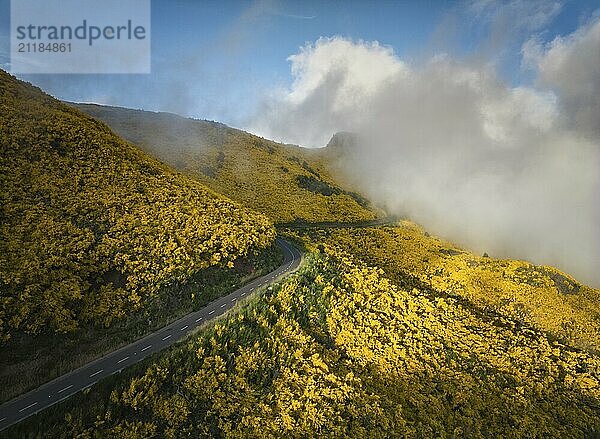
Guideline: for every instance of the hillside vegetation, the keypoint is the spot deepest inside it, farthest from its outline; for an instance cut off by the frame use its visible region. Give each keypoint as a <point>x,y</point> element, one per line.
<point>383,332</point>
<point>281,181</point>
<point>91,226</point>
<point>540,296</point>
<point>92,231</point>
<point>342,351</point>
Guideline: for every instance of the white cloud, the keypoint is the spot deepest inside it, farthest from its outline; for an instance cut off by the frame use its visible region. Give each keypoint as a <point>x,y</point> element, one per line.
<point>335,74</point>
<point>571,66</point>
<point>520,15</point>
<point>450,145</point>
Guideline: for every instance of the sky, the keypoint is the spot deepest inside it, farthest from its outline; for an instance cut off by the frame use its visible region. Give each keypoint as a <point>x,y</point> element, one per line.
<point>216,59</point>
<point>479,119</point>
<point>213,59</point>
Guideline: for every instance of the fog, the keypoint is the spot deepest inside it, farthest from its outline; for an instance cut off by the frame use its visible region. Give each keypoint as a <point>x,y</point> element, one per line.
<point>513,171</point>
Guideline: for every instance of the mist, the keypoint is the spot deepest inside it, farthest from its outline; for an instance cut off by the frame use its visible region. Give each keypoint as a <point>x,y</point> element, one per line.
<point>513,171</point>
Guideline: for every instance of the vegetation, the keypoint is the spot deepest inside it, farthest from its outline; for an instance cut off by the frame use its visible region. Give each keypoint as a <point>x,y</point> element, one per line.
<point>27,361</point>
<point>385,331</point>
<point>540,296</point>
<point>341,351</point>
<point>93,228</point>
<point>285,182</point>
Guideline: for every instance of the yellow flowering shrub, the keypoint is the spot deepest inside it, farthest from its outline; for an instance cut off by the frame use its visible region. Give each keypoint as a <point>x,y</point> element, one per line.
<point>284,182</point>
<point>91,226</point>
<point>339,350</point>
<point>542,296</point>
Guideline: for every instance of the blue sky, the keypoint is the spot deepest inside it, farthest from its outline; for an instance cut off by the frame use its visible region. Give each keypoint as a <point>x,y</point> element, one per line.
<point>215,59</point>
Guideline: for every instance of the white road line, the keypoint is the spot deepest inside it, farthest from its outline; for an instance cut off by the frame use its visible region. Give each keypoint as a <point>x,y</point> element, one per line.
<point>96,373</point>
<point>66,388</point>
<point>28,407</point>
<point>264,281</point>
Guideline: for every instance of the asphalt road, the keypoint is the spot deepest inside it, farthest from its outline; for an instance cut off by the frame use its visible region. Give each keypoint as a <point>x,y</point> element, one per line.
<point>86,376</point>
<point>299,225</point>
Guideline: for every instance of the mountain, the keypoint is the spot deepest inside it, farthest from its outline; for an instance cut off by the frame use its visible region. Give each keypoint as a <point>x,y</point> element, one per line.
<point>383,331</point>
<point>93,228</point>
<point>285,182</point>
<point>342,350</point>
<point>343,142</point>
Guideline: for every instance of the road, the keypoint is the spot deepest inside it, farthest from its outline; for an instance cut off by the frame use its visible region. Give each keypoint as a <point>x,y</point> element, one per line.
<point>86,376</point>
<point>298,225</point>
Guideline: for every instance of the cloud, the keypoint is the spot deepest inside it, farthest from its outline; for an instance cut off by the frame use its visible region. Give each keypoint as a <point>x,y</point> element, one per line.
<point>571,66</point>
<point>333,81</point>
<point>298,17</point>
<point>503,24</point>
<point>520,15</point>
<point>450,145</point>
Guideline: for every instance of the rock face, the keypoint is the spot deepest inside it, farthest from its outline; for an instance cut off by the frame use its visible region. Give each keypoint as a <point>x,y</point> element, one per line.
<point>344,141</point>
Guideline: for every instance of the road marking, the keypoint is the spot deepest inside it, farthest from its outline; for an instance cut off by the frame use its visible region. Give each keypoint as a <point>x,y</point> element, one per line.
<point>28,407</point>
<point>263,281</point>
<point>66,388</point>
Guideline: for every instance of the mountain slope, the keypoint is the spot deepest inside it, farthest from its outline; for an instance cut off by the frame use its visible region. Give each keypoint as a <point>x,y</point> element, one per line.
<point>342,351</point>
<point>99,242</point>
<point>539,296</point>
<point>384,332</point>
<point>91,226</point>
<point>281,181</point>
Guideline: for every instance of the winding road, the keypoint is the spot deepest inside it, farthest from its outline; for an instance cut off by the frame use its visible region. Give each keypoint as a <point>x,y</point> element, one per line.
<point>300,225</point>
<point>86,376</point>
